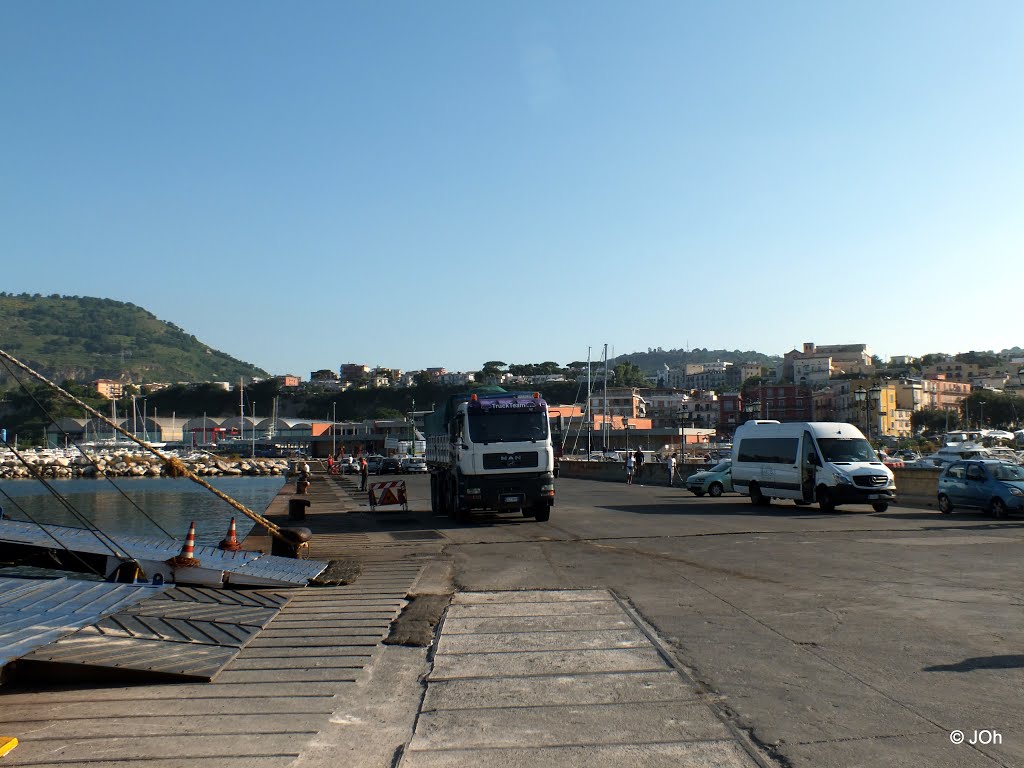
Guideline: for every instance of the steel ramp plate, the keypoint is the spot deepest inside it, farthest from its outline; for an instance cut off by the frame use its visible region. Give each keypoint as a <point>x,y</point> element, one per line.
<point>34,612</point>
<point>191,633</point>
<point>241,568</point>
<point>250,598</point>
<point>189,660</point>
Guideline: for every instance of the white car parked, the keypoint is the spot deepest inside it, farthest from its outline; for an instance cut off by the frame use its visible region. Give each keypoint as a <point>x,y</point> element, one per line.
<point>413,465</point>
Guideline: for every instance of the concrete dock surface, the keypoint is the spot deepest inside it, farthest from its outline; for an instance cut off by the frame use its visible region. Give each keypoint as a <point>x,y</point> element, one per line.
<point>640,626</point>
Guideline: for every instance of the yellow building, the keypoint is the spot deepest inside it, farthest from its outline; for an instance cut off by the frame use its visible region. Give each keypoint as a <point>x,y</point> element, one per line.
<point>876,412</point>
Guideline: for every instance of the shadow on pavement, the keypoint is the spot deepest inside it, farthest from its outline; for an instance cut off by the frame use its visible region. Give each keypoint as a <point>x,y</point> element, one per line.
<point>1008,661</point>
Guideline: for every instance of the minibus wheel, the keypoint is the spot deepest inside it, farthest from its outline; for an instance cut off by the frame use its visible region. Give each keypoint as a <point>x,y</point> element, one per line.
<point>825,501</point>
<point>758,498</point>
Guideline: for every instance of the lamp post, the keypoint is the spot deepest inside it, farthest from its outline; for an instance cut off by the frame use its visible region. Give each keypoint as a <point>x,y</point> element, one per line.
<point>334,428</point>
<point>875,398</point>
<point>860,395</point>
<point>625,424</point>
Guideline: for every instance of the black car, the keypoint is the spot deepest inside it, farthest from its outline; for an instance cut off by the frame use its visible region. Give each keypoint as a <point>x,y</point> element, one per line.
<point>390,466</point>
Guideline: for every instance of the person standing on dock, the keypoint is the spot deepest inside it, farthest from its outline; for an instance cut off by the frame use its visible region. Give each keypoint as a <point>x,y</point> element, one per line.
<point>672,470</point>
<point>629,467</point>
<point>638,461</point>
<point>364,473</point>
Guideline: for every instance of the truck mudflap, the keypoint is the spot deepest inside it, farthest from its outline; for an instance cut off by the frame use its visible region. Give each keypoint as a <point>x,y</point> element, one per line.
<point>508,491</point>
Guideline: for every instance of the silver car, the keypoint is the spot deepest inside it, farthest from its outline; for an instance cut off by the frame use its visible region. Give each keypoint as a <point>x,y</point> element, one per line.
<point>413,465</point>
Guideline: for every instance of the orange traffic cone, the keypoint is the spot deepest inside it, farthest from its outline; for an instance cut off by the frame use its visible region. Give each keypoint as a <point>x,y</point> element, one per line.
<point>186,558</point>
<point>230,542</point>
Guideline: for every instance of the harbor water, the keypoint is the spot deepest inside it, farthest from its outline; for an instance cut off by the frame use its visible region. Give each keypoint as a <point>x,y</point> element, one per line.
<point>171,502</point>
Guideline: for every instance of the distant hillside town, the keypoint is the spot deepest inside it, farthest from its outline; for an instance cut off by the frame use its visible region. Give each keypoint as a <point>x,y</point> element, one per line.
<point>837,382</point>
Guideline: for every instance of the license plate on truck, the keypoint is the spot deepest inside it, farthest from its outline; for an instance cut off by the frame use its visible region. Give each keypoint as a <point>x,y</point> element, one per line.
<point>512,498</point>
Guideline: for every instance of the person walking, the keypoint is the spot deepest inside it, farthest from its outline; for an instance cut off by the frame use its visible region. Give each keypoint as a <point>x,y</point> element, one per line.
<point>672,470</point>
<point>364,473</point>
<point>629,468</point>
<point>638,460</point>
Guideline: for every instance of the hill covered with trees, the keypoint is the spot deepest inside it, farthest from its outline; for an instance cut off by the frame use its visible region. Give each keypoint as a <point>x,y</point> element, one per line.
<point>654,360</point>
<point>82,338</point>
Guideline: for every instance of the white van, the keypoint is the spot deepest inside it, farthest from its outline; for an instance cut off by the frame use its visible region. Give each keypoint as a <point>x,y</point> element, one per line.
<point>827,462</point>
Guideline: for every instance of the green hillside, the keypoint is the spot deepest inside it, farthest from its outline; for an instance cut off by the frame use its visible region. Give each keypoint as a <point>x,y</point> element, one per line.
<point>654,360</point>
<point>83,338</point>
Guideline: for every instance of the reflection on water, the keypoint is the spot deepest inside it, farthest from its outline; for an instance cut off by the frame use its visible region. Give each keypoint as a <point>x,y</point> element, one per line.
<point>171,502</point>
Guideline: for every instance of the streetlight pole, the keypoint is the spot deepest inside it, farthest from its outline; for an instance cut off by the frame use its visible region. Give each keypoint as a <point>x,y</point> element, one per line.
<point>334,428</point>
<point>860,395</point>
<point>876,398</point>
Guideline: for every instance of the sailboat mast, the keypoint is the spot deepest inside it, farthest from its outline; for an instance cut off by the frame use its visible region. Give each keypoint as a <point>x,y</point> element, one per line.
<point>241,408</point>
<point>590,414</point>
<point>604,418</point>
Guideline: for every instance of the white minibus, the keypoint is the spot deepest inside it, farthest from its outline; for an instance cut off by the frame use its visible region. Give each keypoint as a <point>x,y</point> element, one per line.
<point>827,462</point>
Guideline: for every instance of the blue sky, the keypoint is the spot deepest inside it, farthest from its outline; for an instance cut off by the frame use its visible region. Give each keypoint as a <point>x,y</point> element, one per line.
<point>421,184</point>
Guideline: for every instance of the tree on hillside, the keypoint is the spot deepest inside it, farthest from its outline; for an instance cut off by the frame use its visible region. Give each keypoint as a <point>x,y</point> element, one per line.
<point>987,408</point>
<point>933,420</point>
<point>628,375</point>
<point>984,359</point>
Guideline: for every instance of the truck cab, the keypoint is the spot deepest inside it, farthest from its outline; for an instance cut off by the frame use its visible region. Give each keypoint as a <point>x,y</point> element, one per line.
<point>494,453</point>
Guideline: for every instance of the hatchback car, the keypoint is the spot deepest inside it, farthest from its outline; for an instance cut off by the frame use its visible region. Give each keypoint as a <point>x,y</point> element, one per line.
<point>714,482</point>
<point>373,464</point>
<point>389,466</point>
<point>414,465</point>
<point>994,486</point>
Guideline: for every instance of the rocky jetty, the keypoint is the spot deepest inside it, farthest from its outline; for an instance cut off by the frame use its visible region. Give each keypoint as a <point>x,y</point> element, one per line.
<point>126,463</point>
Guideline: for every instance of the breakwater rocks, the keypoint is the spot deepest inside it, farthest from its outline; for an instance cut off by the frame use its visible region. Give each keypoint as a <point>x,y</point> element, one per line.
<point>129,464</point>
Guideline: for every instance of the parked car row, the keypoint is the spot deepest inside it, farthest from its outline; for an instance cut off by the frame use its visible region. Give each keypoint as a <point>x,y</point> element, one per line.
<point>995,487</point>
<point>385,465</point>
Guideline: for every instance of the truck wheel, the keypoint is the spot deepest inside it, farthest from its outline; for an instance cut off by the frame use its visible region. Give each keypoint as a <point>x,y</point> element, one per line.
<point>542,512</point>
<point>825,501</point>
<point>455,508</point>
<point>435,502</point>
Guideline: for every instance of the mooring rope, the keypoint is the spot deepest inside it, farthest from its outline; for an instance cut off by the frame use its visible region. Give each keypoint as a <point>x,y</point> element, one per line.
<point>175,466</point>
<point>103,538</point>
<point>83,452</point>
<point>44,529</point>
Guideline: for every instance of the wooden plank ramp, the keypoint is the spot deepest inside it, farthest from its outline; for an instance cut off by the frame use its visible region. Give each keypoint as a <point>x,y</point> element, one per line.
<point>263,709</point>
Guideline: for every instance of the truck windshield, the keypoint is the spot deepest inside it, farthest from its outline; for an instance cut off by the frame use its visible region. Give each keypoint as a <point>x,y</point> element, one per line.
<point>507,427</point>
<point>846,449</point>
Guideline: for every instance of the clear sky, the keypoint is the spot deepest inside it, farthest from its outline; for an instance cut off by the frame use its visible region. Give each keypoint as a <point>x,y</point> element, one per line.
<point>445,183</point>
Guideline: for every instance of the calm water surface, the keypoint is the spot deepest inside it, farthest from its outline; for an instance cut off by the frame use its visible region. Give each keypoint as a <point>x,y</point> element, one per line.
<point>171,502</point>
